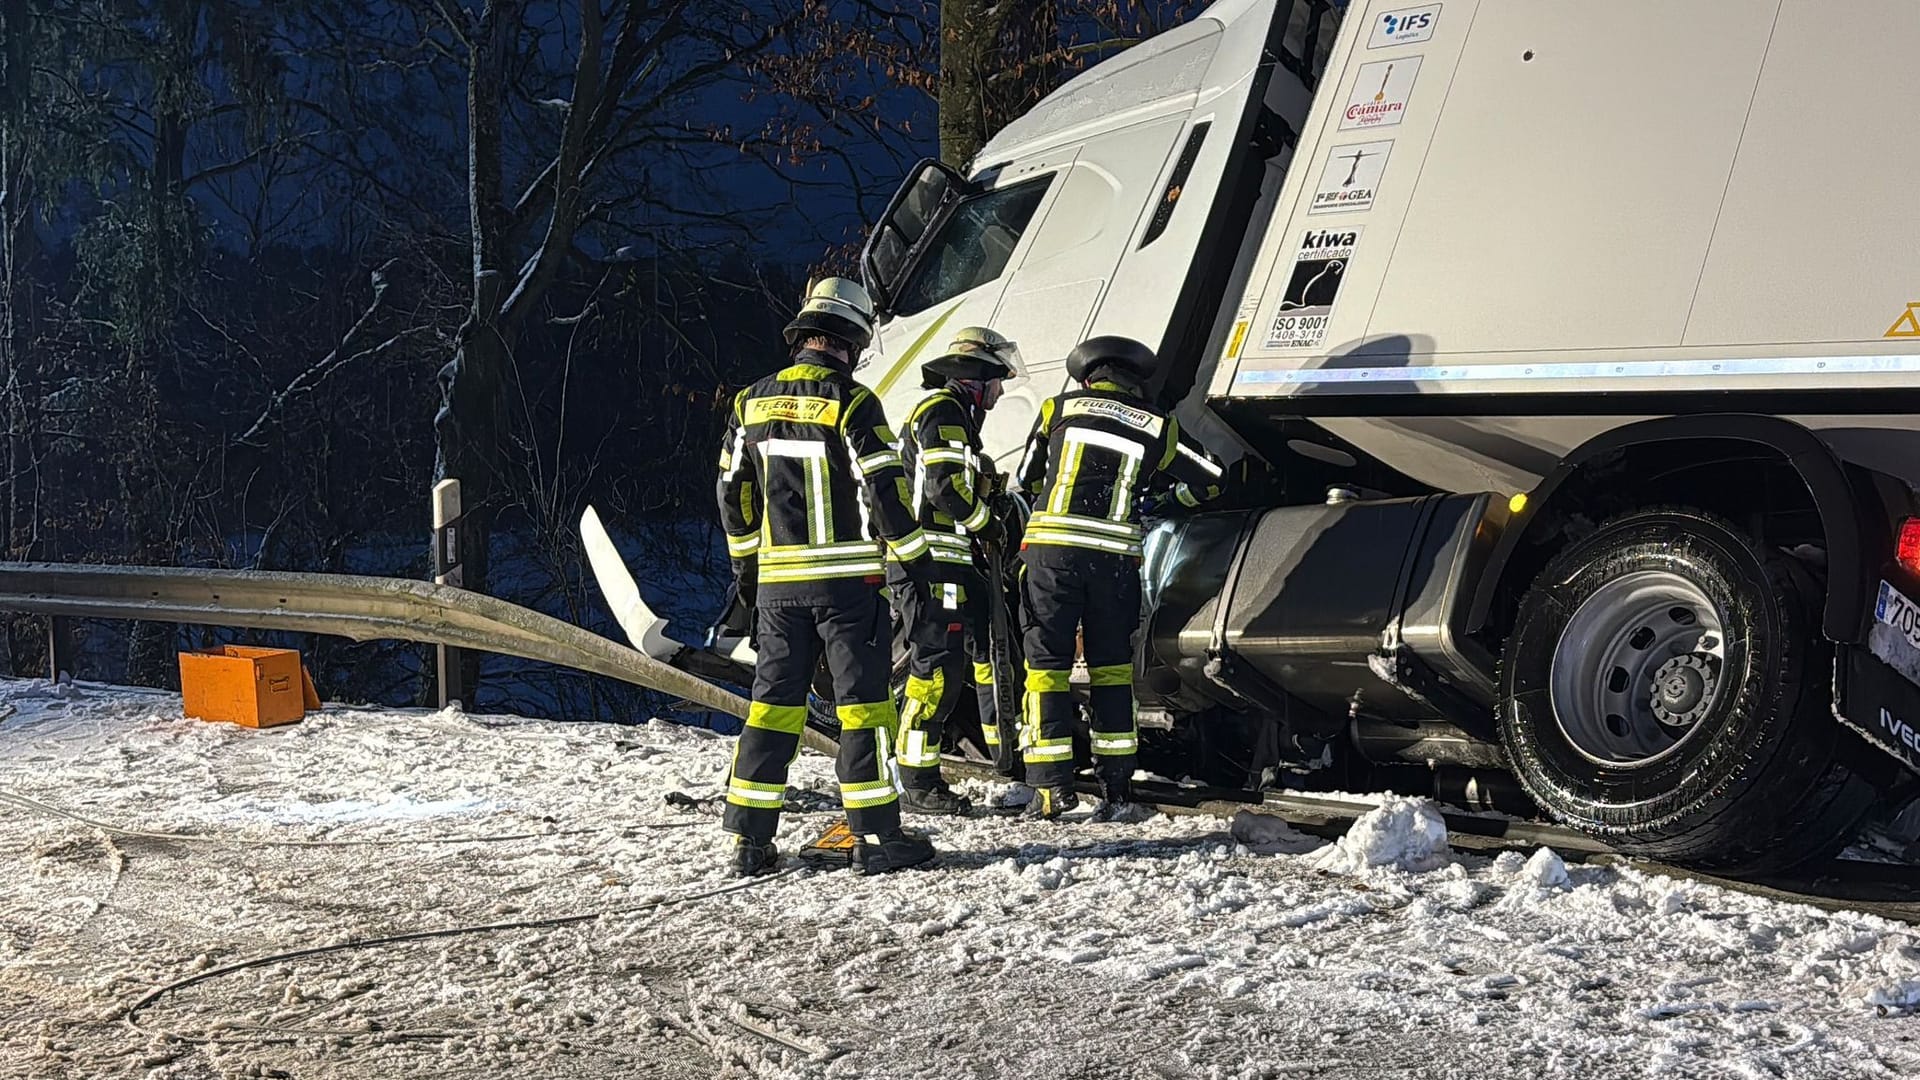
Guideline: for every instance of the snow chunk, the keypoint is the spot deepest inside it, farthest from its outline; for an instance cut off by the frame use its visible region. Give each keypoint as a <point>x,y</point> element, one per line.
<point>1895,997</point>
<point>1407,834</point>
<point>1267,833</point>
<point>1005,796</point>
<point>1052,874</point>
<point>1546,869</point>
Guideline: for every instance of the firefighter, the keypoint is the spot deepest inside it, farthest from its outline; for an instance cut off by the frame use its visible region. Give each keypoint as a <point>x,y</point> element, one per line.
<point>946,615</point>
<point>1093,453</point>
<point>808,478</point>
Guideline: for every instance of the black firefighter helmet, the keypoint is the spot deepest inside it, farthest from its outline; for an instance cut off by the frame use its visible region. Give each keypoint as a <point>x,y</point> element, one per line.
<point>1120,359</point>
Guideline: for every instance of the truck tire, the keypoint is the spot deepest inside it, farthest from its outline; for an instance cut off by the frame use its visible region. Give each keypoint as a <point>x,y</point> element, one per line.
<point>1666,687</point>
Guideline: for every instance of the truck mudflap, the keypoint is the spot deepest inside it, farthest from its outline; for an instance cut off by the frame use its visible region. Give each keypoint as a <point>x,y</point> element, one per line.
<point>1879,703</point>
<point>1876,689</point>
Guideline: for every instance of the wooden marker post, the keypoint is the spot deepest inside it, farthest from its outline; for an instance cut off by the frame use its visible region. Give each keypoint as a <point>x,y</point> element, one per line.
<point>447,571</point>
<point>59,647</point>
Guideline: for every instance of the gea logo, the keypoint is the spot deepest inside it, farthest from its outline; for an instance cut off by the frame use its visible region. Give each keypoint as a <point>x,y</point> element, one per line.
<point>1324,238</point>
<point>1407,24</point>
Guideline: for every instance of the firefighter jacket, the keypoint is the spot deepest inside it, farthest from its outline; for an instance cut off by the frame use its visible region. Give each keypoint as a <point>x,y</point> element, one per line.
<point>941,454</point>
<point>811,487</point>
<point>1092,453</point>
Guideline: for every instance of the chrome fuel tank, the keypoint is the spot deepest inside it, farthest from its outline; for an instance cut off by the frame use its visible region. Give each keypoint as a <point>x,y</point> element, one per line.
<point>1355,608</point>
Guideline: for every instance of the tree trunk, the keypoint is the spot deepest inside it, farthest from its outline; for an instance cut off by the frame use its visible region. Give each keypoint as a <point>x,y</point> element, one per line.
<point>470,425</point>
<point>996,59</point>
<point>469,429</point>
<point>150,651</point>
<point>15,78</point>
<point>150,645</point>
<point>13,182</point>
<point>968,30</point>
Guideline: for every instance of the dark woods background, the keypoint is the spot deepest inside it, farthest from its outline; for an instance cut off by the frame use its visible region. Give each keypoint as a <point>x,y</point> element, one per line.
<point>268,268</point>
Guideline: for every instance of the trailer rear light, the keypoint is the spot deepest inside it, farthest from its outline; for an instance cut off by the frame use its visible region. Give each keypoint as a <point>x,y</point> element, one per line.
<point>1907,553</point>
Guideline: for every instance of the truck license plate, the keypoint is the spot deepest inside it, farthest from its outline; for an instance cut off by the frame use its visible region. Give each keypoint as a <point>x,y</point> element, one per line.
<point>1895,635</point>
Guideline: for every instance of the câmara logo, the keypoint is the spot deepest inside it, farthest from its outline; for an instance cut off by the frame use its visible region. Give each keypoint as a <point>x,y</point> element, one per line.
<point>1374,110</point>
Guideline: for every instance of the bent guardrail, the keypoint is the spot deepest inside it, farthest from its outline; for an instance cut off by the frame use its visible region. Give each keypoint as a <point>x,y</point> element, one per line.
<point>348,605</point>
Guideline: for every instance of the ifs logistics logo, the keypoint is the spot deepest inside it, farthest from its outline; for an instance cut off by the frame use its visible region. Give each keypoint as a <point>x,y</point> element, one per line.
<point>1404,27</point>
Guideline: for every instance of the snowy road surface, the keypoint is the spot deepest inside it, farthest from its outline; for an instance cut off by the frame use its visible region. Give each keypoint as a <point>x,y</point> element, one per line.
<point>1163,949</point>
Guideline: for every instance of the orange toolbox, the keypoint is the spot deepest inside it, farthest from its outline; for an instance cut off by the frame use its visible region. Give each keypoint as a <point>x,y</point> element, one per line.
<point>244,685</point>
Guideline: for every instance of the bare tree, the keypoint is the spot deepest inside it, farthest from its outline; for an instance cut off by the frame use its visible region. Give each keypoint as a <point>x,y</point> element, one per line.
<point>550,155</point>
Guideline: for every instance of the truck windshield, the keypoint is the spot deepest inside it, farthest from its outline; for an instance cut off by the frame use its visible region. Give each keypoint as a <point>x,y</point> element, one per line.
<point>973,247</point>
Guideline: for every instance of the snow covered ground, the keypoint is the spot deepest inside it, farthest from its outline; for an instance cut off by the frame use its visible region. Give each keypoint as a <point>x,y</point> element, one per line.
<point>1164,949</point>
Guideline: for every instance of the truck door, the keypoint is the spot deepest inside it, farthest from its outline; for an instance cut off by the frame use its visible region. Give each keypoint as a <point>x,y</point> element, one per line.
<point>1150,200</point>
<point>941,257</point>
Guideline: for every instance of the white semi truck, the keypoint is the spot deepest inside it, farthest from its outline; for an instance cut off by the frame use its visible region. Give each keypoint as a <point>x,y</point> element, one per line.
<point>1569,352</point>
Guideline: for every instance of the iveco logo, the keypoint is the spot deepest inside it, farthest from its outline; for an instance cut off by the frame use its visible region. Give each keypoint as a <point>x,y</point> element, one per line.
<point>1901,731</point>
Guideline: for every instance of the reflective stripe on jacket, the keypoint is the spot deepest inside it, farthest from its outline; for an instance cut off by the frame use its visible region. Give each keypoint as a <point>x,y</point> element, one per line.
<point>810,483</point>
<point>941,454</point>
<point>1092,454</point>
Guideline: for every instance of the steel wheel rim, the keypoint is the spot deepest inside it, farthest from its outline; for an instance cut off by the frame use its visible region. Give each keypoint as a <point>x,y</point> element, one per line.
<point>1638,667</point>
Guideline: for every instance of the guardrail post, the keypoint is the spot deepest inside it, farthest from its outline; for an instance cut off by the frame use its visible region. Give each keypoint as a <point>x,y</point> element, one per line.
<point>59,648</point>
<point>447,571</point>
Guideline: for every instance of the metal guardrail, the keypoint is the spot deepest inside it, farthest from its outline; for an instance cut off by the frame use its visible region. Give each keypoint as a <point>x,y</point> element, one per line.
<point>348,605</point>
<point>372,608</point>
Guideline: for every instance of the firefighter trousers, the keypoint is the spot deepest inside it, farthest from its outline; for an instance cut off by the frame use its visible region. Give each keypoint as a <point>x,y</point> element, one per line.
<point>856,640</point>
<point>1095,596</point>
<point>947,629</point>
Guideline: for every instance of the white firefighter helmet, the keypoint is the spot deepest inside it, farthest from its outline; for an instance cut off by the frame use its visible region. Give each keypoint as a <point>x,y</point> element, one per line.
<point>977,354</point>
<point>837,307</point>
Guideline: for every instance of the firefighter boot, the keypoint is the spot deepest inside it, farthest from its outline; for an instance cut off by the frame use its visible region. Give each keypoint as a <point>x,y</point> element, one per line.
<point>1116,803</point>
<point>1050,802</point>
<point>752,857</point>
<point>895,850</point>
<point>939,799</point>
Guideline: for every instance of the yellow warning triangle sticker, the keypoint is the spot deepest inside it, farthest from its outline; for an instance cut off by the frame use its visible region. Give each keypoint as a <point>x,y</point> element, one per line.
<point>1907,325</point>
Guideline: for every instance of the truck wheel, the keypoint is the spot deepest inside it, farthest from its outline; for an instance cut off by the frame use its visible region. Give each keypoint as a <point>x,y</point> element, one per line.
<point>1666,687</point>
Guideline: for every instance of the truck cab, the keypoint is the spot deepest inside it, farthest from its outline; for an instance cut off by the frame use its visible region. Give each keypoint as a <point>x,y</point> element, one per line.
<point>1120,202</point>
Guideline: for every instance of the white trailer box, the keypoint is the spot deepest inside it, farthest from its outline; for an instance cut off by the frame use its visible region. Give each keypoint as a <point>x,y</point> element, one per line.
<point>1559,211</point>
